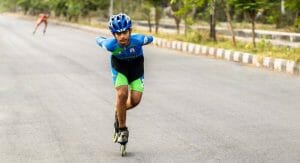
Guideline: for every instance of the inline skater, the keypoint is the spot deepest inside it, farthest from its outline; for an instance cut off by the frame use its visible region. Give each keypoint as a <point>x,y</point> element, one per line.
<point>127,67</point>
<point>43,18</point>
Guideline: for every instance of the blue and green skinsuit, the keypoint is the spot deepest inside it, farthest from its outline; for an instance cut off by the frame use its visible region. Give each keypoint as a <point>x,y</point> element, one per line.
<point>127,63</point>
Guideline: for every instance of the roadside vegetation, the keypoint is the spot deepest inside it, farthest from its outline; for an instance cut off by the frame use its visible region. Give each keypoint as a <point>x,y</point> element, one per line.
<point>263,47</point>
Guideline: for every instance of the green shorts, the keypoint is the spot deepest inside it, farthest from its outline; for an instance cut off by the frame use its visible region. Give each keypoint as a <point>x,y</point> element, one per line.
<point>121,80</point>
<point>128,72</point>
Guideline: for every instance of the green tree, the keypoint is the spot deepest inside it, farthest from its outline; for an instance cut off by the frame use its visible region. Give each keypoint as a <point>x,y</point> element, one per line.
<point>175,6</point>
<point>38,6</point>
<point>24,5</point>
<point>228,17</point>
<point>294,7</point>
<point>146,14</point>
<point>186,9</point>
<point>251,8</point>
<point>59,7</point>
<point>158,5</point>
<point>212,11</point>
<point>73,10</point>
<point>10,5</point>
<point>88,6</point>
<point>273,14</point>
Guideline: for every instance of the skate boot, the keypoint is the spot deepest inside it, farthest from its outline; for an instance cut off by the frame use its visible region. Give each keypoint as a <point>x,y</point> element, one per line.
<point>123,135</point>
<point>44,32</point>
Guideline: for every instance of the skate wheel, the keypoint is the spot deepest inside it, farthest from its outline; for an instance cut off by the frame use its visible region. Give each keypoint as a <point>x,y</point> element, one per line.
<point>115,137</point>
<point>123,150</point>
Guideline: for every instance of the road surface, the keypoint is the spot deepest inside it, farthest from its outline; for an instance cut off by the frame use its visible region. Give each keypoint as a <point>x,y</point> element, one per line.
<point>57,104</point>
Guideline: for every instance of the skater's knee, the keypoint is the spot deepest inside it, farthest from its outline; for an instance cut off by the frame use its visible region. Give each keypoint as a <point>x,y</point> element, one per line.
<point>135,102</point>
<point>122,95</point>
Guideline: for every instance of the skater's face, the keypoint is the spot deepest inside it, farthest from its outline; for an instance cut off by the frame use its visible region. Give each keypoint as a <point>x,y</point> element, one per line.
<point>123,37</point>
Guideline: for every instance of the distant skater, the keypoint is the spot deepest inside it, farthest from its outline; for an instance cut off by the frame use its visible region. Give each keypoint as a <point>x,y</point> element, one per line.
<point>42,19</point>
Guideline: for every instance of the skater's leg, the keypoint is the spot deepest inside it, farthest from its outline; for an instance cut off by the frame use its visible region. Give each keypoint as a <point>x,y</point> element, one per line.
<point>46,25</point>
<point>37,26</point>
<point>135,95</point>
<point>121,98</point>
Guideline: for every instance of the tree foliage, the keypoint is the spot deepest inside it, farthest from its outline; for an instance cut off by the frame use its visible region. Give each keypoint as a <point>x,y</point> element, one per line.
<point>250,8</point>
<point>294,7</point>
<point>71,9</point>
<point>187,11</point>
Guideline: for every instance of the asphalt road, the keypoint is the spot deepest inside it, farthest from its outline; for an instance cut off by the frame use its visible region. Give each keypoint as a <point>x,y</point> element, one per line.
<point>57,100</point>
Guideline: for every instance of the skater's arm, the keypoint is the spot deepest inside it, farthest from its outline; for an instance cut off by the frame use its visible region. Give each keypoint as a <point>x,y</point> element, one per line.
<point>106,43</point>
<point>100,40</point>
<point>143,39</point>
<point>147,40</point>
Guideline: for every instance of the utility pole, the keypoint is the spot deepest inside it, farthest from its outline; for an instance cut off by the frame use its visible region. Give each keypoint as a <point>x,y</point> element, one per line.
<point>111,7</point>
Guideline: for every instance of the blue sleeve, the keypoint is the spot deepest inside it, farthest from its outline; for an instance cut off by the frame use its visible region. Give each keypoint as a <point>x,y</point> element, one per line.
<point>99,41</point>
<point>147,40</point>
<point>142,39</point>
<point>106,43</point>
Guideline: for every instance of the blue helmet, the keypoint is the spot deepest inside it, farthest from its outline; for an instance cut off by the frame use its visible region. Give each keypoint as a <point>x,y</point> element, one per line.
<point>119,23</point>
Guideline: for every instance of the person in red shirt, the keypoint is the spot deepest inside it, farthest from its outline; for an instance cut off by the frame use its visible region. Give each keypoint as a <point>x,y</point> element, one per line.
<point>42,19</point>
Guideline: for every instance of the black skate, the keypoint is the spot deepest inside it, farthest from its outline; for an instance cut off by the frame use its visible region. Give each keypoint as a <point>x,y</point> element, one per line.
<point>116,126</point>
<point>122,139</point>
<point>123,135</point>
<point>115,136</point>
<point>120,136</point>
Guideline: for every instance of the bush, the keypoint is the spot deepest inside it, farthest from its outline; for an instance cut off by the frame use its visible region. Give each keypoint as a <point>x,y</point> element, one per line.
<point>194,37</point>
<point>297,25</point>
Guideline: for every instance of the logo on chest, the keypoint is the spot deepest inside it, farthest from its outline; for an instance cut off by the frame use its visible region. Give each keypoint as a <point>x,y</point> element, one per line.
<point>132,50</point>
